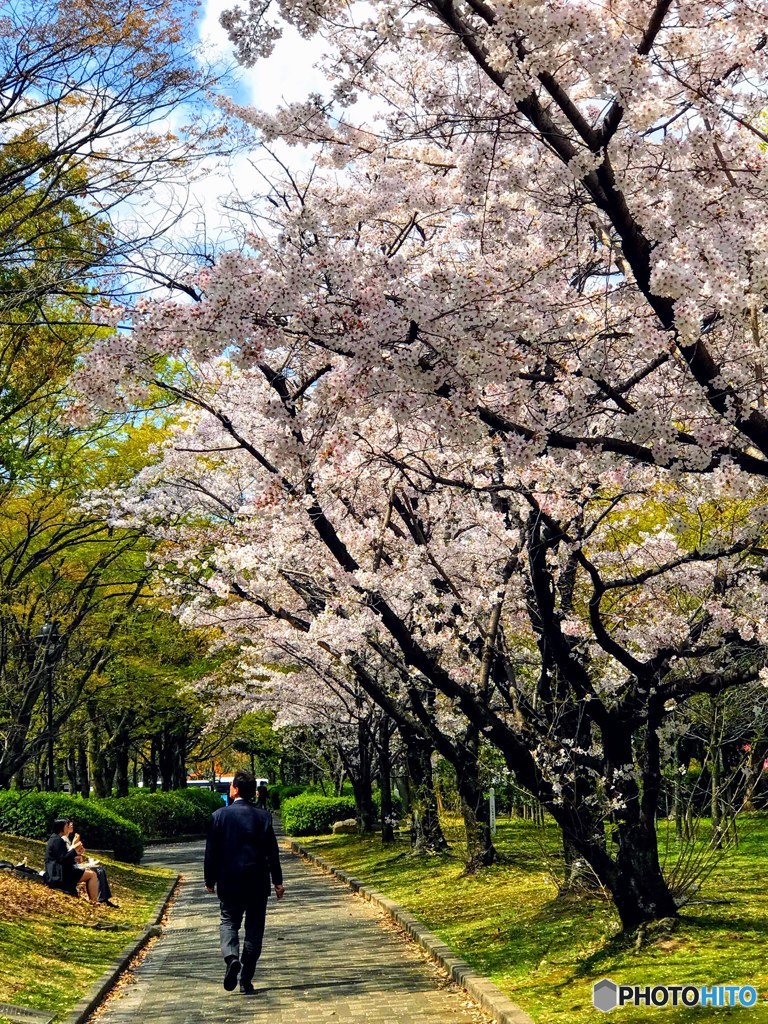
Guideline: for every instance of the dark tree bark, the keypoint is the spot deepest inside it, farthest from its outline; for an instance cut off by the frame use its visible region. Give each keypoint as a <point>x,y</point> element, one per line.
<point>385,780</point>
<point>70,767</point>
<point>100,769</point>
<point>426,831</point>
<point>362,780</point>
<point>82,772</point>
<point>171,757</point>
<point>480,849</point>
<point>151,771</point>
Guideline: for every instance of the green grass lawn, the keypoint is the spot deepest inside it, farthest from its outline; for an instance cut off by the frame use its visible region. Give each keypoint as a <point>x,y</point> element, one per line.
<point>545,952</point>
<point>53,947</point>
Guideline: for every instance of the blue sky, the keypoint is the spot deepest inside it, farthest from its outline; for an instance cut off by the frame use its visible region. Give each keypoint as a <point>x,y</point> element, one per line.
<point>285,76</point>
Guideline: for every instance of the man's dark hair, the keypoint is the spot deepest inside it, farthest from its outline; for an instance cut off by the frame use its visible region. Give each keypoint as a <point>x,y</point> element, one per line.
<point>245,784</point>
<point>59,824</point>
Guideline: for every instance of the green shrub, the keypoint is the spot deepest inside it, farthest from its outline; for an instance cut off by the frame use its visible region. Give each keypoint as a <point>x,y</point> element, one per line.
<point>311,815</point>
<point>277,794</point>
<point>161,815</point>
<point>205,798</point>
<point>31,815</point>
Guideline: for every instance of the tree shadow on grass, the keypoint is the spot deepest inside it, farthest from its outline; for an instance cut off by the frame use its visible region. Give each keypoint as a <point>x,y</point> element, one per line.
<point>727,924</point>
<point>546,933</point>
<point>620,943</point>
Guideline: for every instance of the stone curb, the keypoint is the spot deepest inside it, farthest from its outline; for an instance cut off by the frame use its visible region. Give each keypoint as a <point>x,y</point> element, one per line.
<point>83,1010</point>
<point>483,991</point>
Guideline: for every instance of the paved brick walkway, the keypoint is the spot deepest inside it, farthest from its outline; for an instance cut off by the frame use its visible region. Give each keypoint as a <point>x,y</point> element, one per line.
<point>327,957</point>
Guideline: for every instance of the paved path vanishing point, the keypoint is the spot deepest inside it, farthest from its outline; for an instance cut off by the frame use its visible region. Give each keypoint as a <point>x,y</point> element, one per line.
<point>327,957</point>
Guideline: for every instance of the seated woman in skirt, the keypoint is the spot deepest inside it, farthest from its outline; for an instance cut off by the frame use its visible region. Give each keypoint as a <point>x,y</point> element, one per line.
<point>104,889</point>
<point>61,868</point>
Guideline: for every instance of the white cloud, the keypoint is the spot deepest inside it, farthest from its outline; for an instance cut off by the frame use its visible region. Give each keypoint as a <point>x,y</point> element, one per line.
<point>289,74</point>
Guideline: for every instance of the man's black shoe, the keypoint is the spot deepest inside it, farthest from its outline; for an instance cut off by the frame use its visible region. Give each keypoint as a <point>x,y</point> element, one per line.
<point>230,978</point>
<point>246,987</point>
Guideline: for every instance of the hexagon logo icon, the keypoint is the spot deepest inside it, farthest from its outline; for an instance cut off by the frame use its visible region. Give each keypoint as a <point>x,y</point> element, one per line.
<point>604,995</point>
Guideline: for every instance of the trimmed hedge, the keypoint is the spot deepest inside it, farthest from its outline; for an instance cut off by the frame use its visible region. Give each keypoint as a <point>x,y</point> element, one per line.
<point>161,815</point>
<point>312,815</point>
<point>205,798</point>
<point>277,794</point>
<point>31,815</point>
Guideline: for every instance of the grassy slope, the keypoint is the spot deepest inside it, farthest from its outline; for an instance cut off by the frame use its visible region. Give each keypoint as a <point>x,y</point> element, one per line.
<point>53,948</point>
<point>545,953</point>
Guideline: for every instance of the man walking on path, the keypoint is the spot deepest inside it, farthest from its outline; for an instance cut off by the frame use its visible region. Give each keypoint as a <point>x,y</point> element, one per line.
<point>241,855</point>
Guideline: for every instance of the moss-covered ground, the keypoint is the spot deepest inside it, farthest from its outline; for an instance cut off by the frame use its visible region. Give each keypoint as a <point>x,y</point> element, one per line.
<point>545,951</point>
<point>53,947</point>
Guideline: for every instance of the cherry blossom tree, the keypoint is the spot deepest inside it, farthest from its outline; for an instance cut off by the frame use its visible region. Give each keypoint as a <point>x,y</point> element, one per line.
<point>486,394</point>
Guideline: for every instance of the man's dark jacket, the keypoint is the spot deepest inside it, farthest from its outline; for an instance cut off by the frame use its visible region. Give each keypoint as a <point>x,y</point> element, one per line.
<point>241,853</point>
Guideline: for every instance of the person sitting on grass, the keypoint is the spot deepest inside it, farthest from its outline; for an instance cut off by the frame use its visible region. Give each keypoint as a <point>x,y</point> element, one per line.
<point>61,870</point>
<point>105,891</point>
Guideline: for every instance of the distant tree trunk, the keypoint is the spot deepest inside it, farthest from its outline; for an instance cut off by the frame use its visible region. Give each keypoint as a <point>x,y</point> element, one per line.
<point>82,772</point>
<point>101,772</point>
<point>120,746</point>
<point>150,768</point>
<point>70,766</point>
<point>753,772</point>
<point>385,782</point>
<point>365,809</point>
<point>714,754</point>
<point>180,772</point>
<point>678,809</point>
<point>171,756</point>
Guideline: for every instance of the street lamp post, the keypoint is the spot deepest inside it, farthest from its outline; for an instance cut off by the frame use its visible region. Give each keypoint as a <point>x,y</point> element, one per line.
<point>49,639</point>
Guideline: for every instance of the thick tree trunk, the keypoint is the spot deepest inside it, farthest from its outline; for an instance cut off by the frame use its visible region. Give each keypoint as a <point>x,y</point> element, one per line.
<point>101,772</point>
<point>362,785</point>
<point>640,891</point>
<point>426,833</point>
<point>171,756</point>
<point>121,762</point>
<point>480,849</point>
<point>102,776</point>
<point>365,809</point>
<point>633,877</point>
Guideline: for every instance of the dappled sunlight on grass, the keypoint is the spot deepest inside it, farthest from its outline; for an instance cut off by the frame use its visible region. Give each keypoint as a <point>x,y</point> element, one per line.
<point>546,951</point>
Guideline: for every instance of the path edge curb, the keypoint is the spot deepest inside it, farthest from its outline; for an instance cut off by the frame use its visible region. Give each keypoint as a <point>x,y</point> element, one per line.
<point>83,1010</point>
<point>483,991</point>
